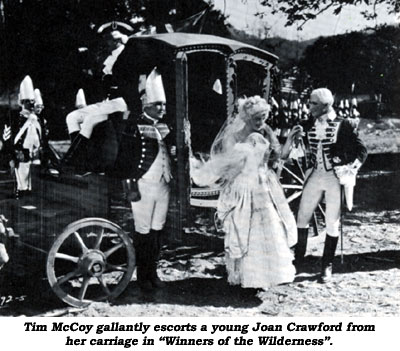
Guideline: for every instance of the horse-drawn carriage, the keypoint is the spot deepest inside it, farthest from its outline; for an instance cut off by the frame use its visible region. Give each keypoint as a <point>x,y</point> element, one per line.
<point>90,258</point>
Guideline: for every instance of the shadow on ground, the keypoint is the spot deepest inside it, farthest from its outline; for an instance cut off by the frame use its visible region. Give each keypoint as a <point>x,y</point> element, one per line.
<point>363,262</point>
<point>193,292</point>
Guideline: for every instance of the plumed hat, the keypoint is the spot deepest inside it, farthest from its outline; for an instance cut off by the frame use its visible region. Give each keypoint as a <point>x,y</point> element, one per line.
<point>346,103</point>
<point>341,105</point>
<point>26,91</point>
<point>154,91</point>
<point>38,97</point>
<point>80,100</point>
<point>354,102</point>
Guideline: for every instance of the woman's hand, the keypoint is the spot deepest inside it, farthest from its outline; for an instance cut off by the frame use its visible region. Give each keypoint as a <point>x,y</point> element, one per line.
<point>296,132</point>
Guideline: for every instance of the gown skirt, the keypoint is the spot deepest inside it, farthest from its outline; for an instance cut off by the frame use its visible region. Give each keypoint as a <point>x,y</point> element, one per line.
<point>260,230</point>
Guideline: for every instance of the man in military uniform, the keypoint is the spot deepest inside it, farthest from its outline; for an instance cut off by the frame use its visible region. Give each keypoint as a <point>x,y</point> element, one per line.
<point>5,232</point>
<point>23,139</point>
<point>332,142</point>
<point>47,157</point>
<point>145,168</point>
<point>81,124</point>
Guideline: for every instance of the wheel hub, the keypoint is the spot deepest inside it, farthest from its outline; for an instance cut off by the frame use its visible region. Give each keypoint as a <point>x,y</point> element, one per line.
<point>93,263</point>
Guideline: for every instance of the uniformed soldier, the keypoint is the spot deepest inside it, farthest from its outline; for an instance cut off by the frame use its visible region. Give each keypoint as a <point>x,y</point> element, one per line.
<point>354,114</point>
<point>145,166</point>
<point>81,123</point>
<point>332,142</point>
<point>25,139</point>
<point>46,155</point>
<point>4,232</point>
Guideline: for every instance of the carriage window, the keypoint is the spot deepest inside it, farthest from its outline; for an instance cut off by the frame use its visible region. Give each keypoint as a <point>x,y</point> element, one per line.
<point>207,98</point>
<point>250,78</point>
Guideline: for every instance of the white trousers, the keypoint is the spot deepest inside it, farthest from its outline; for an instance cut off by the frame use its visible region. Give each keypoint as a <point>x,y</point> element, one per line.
<point>23,175</point>
<point>85,119</point>
<point>150,213</point>
<point>319,184</point>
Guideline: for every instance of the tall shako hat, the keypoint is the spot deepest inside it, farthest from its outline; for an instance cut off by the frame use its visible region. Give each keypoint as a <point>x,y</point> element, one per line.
<point>26,91</point>
<point>80,100</point>
<point>154,90</point>
<point>38,98</point>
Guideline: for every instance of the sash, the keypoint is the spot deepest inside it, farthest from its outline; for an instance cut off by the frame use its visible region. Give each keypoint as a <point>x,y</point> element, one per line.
<point>158,131</point>
<point>33,133</point>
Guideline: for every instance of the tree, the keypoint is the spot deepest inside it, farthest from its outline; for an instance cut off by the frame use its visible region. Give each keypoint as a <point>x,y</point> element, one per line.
<point>369,60</point>
<point>302,11</point>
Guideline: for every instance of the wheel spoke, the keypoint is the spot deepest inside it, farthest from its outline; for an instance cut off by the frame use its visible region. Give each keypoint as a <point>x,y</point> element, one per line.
<point>113,267</point>
<point>67,277</point>
<point>67,257</point>
<point>301,181</point>
<point>113,249</point>
<point>291,186</point>
<point>300,168</point>
<point>322,210</point>
<point>99,239</point>
<point>294,196</point>
<point>80,241</point>
<point>104,285</point>
<point>82,291</point>
<point>89,276</point>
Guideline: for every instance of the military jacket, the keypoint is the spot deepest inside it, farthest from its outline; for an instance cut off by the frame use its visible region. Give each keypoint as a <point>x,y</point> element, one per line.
<point>340,144</point>
<point>139,147</point>
<point>13,140</point>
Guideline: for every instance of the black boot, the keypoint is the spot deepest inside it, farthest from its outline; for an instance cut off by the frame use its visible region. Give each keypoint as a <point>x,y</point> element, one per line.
<point>156,247</point>
<point>300,248</point>
<point>327,258</point>
<point>140,242</point>
<point>76,154</point>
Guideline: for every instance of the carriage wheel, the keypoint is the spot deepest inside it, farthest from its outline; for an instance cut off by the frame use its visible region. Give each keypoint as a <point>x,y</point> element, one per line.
<point>294,188</point>
<point>91,260</point>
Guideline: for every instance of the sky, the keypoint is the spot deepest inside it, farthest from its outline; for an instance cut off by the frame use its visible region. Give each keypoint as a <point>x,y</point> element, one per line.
<point>241,16</point>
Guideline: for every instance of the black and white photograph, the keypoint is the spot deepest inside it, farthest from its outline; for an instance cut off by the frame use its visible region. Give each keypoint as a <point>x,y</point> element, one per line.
<point>199,158</point>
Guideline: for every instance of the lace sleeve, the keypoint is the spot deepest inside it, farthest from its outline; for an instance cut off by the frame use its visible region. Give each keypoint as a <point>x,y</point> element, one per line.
<point>275,147</point>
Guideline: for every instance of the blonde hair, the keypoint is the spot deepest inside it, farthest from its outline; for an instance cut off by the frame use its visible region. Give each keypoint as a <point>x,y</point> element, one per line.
<point>249,106</point>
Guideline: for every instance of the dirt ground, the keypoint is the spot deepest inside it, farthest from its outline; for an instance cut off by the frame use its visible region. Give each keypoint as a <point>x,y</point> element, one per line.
<point>366,283</point>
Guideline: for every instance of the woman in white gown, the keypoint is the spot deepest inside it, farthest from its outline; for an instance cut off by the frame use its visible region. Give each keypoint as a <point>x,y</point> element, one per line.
<point>258,223</point>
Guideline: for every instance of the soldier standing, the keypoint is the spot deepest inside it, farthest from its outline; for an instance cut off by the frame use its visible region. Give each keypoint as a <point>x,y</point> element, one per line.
<point>144,163</point>
<point>333,142</point>
<point>23,139</point>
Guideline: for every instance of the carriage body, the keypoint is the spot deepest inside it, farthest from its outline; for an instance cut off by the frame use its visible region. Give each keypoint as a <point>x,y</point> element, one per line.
<point>94,249</point>
<point>190,65</point>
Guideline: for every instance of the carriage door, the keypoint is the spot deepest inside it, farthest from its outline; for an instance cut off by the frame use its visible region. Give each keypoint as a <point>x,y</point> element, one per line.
<point>181,198</point>
<point>207,111</point>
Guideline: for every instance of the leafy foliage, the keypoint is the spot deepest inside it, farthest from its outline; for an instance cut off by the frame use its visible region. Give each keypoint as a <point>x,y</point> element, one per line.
<point>369,60</point>
<point>301,11</point>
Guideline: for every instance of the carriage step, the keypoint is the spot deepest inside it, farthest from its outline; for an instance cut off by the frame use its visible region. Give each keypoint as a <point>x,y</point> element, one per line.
<point>45,213</point>
<point>203,203</point>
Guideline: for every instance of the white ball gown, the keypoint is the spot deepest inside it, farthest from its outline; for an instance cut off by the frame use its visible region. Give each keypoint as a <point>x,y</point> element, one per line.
<point>258,223</point>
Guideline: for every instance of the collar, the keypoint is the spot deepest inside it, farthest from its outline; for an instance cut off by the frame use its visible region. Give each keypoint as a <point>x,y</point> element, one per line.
<point>150,119</point>
<point>25,113</point>
<point>330,116</point>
